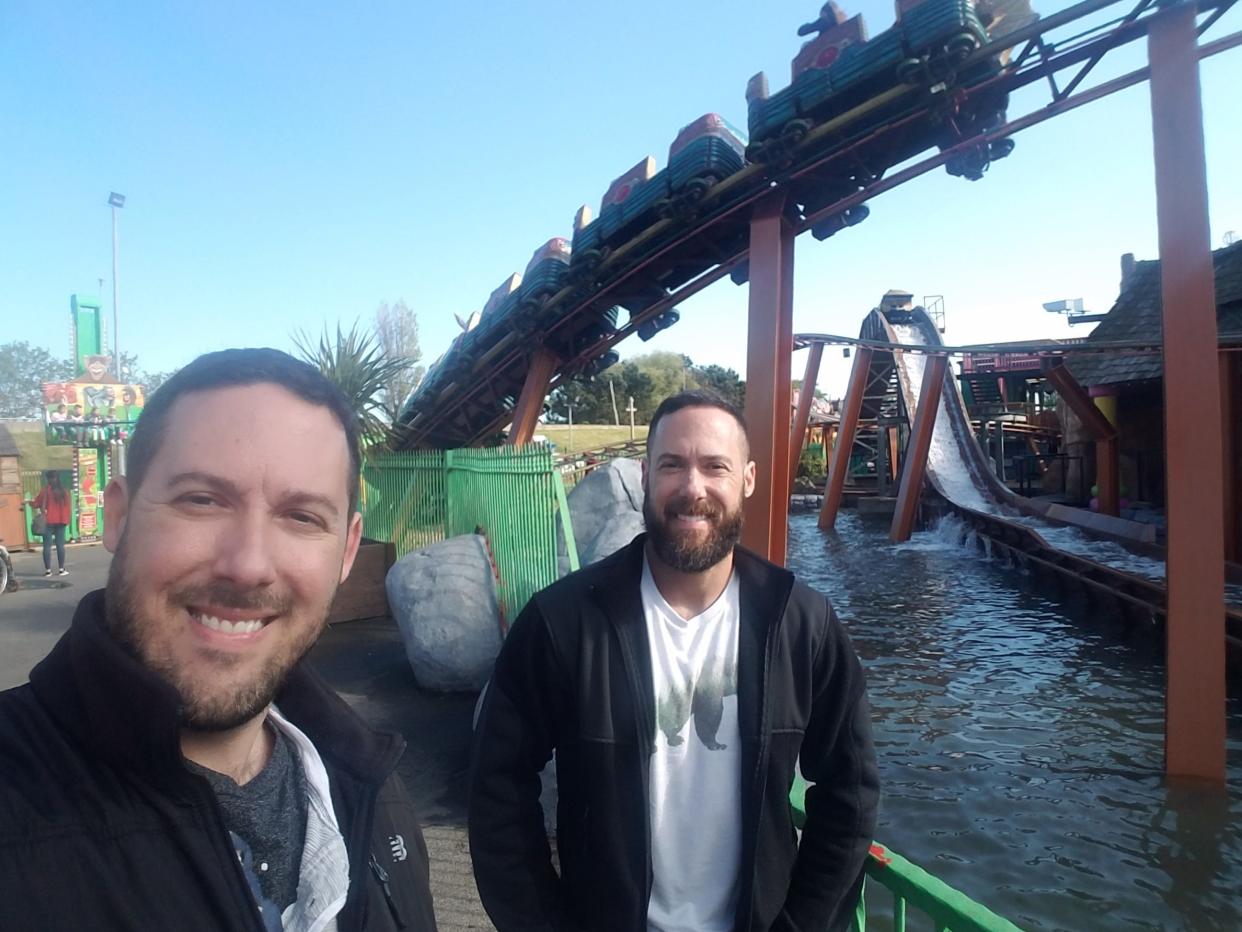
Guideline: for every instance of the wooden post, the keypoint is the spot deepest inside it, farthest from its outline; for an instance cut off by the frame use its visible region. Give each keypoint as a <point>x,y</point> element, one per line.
<point>846,432</point>
<point>1231,437</point>
<point>803,415</point>
<point>915,466</point>
<point>769,348</point>
<point>539,372</point>
<point>1195,714</point>
<point>1107,463</point>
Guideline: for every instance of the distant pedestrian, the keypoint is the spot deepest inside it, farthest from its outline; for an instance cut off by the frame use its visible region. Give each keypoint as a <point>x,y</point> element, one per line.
<point>53,502</point>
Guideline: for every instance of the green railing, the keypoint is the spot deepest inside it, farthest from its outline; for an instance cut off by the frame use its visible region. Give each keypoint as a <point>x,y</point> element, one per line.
<point>514,497</point>
<point>402,499</point>
<point>948,909</point>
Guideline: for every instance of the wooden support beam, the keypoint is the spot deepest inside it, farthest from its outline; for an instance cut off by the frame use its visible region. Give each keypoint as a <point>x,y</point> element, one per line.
<point>1195,631</point>
<point>1231,438</point>
<point>539,372</point>
<point>803,415</point>
<point>769,351</point>
<point>846,431</point>
<point>1107,461</point>
<point>915,466</point>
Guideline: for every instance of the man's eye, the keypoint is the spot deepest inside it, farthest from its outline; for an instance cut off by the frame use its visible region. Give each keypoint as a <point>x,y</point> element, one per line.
<point>198,499</point>
<point>305,519</point>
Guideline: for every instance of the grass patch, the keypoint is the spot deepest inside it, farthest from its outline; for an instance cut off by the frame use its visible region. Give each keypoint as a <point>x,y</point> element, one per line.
<point>589,436</point>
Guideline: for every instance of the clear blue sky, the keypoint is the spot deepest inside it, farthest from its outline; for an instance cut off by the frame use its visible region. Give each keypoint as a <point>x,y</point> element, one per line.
<point>291,165</point>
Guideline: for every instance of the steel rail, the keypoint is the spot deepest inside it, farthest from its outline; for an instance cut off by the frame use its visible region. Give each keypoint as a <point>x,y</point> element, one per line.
<point>604,297</point>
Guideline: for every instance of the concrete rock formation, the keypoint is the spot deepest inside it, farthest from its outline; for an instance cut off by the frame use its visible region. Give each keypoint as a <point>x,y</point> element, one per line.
<point>444,600</point>
<point>606,509</point>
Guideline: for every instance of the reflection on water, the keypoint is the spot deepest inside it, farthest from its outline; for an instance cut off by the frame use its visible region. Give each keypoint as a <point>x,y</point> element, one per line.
<point>1021,740</point>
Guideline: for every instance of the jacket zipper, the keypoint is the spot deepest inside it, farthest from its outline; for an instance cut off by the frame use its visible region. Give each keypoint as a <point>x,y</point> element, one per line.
<point>382,876</point>
<point>222,834</point>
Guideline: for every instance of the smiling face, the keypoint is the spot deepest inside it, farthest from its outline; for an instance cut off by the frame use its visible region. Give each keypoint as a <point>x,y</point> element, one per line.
<point>229,553</point>
<point>696,477</point>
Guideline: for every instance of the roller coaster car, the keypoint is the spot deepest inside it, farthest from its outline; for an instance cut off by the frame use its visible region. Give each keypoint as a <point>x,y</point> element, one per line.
<point>662,321</point>
<point>704,152</point>
<point>841,69</point>
<point>545,275</point>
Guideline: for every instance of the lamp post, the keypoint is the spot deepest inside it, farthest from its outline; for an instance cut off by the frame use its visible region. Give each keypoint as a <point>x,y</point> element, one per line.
<point>114,201</point>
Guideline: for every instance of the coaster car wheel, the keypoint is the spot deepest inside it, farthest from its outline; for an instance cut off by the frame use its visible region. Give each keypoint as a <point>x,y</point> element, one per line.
<point>912,71</point>
<point>582,268</point>
<point>959,47</point>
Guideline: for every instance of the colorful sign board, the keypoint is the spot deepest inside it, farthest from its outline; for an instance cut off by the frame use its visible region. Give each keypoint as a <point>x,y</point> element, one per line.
<point>89,494</point>
<point>90,413</point>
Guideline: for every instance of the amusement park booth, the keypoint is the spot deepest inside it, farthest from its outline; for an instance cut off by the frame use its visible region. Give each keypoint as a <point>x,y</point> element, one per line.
<point>12,514</point>
<point>1129,389</point>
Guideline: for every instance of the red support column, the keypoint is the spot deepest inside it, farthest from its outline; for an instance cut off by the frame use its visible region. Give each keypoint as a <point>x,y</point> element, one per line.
<point>846,431</point>
<point>539,372</point>
<point>769,349</point>
<point>803,415</point>
<point>915,466</point>
<point>1195,713</point>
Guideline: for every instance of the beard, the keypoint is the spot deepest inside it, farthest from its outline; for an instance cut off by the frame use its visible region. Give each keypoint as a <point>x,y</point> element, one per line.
<point>680,550</point>
<point>209,701</point>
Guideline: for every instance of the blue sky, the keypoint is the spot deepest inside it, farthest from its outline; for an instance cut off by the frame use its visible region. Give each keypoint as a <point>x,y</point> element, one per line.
<point>291,165</point>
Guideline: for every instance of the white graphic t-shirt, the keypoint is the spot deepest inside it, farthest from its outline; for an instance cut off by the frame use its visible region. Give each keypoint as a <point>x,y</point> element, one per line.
<point>696,766</point>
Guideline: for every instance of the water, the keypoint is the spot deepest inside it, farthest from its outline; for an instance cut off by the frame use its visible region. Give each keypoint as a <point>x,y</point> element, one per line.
<point>1021,739</point>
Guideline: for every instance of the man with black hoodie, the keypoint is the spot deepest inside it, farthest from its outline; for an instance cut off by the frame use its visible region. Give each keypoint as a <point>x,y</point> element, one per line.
<point>681,683</point>
<point>172,764</point>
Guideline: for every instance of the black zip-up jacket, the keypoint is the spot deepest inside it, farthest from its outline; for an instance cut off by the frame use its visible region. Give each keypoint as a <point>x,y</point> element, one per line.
<point>102,826</point>
<point>574,675</point>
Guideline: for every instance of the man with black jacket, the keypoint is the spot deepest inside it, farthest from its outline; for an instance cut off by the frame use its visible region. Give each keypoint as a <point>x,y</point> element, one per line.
<point>172,764</point>
<point>681,682</point>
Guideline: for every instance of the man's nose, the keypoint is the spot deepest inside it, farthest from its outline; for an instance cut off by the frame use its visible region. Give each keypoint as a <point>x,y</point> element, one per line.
<point>693,485</point>
<point>246,555</point>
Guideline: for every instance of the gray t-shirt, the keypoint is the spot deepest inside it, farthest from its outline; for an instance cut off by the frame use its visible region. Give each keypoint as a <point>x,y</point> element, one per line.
<point>266,819</point>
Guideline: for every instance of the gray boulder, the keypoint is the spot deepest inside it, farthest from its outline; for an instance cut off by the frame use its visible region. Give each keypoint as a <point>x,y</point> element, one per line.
<point>623,527</point>
<point>606,510</point>
<point>444,600</point>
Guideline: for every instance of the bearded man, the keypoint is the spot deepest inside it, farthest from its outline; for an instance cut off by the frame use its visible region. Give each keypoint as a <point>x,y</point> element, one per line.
<point>680,682</point>
<point>172,764</point>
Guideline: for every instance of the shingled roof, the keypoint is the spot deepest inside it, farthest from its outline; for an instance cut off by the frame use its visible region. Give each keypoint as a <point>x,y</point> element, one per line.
<point>1136,318</point>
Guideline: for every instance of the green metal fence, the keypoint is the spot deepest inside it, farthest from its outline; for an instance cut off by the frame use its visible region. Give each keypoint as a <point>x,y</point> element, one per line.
<point>910,886</point>
<point>402,499</point>
<point>515,498</point>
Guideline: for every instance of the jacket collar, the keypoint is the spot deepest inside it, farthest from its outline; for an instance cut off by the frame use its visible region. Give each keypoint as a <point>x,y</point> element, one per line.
<point>763,590</point>
<point>130,718</point>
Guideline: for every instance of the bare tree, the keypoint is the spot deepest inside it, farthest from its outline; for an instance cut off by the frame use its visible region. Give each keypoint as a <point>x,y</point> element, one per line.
<point>396,329</point>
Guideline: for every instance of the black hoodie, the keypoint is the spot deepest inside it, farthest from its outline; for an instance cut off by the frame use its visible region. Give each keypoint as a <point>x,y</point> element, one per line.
<point>103,827</point>
<point>574,675</point>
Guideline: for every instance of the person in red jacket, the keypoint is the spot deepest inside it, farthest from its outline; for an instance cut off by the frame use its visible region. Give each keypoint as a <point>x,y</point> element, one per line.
<point>53,501</point>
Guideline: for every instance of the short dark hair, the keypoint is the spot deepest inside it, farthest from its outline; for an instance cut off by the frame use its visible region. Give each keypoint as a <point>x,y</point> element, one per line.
<point>235,367</point>
<point>697,398</point>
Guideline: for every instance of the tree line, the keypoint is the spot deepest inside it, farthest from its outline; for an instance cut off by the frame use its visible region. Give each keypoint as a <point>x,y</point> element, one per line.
<point>648,380</point>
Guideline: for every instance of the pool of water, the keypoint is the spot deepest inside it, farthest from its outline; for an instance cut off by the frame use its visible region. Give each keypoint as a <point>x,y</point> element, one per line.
<point>1021,739</point>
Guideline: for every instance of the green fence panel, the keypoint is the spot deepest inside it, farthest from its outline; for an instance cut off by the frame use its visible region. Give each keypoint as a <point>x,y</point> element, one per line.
<point>913,887</point>
<point>402,499</point>
<point>515,498</point>
<point>511,497</point>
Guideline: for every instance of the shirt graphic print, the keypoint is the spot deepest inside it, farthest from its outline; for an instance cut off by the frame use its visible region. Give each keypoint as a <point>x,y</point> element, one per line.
<point>696,785</point>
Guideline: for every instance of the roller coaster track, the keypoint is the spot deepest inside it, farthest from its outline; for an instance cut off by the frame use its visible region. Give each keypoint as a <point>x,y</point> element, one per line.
<point>478,400</point>
<point>959,473</point>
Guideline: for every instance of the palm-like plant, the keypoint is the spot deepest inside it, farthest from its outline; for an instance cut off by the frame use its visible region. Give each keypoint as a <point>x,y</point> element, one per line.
<point>355,363</point>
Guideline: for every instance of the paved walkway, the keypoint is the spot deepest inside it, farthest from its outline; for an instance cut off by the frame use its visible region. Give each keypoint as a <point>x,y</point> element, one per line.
<point>365,661</point>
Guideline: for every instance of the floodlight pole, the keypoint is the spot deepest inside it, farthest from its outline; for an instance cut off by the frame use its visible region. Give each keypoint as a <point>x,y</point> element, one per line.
<point>114,201</point>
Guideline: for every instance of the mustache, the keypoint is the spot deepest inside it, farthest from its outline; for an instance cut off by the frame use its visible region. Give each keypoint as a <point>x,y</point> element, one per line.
<point>225,595</point>
<point>696,508</point>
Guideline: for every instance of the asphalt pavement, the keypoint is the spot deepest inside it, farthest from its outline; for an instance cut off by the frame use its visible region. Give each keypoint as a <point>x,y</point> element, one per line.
<point>363,660</point>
